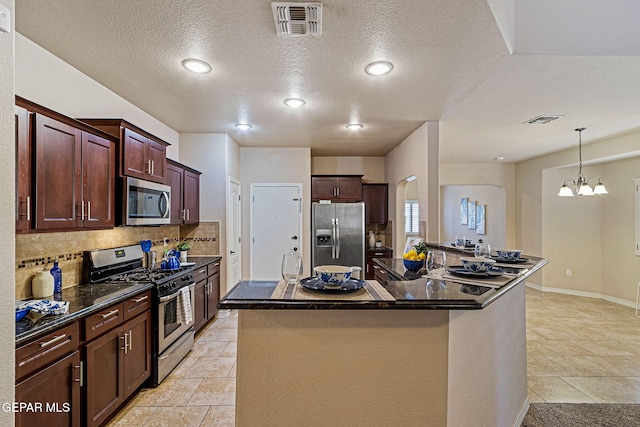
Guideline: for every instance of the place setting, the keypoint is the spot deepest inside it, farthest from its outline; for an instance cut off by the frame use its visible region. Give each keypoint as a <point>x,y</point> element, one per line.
<point>478,269</point>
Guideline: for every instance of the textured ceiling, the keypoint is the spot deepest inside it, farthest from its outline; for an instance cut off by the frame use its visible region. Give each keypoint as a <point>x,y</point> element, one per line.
<point>451,65</point>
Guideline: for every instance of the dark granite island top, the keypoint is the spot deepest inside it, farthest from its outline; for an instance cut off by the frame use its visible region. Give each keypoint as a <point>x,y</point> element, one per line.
<point>408,291</point>
<point>402,353</point>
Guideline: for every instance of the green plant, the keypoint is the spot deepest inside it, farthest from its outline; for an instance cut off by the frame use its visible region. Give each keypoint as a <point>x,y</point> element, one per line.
<point>421,248</point>
<point>183,246</point>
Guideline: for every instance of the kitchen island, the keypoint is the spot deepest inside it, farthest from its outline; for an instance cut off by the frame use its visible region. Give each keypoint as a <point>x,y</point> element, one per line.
<point>408,352</point>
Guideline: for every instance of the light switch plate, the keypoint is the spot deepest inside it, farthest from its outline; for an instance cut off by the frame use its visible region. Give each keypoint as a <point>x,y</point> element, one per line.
<point>5,19</point>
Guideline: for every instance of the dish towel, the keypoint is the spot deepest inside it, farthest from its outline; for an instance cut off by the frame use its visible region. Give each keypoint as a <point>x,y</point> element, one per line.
<point>45,306</point>
<point>185,315</point>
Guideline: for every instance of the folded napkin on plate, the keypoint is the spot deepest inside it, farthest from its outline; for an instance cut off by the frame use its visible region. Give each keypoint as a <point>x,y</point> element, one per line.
<point>45,306</point>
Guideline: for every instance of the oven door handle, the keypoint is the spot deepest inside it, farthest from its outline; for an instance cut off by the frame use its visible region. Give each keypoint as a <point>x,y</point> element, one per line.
<point>175,294</point>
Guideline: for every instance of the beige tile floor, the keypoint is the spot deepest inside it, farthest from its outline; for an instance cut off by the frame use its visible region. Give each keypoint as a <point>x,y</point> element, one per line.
<point>578,350</point>
<point>581,350</point>
<point>201,391</point>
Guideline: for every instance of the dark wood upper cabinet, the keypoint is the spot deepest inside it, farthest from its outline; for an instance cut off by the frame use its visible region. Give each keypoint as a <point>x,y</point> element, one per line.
<point>185,193</point>
<point>98,181</point>
<point>341,188</point>
<point>65,172</point>
<point>58,174</point>
<point>174,179</point>
<point>376,203</point>
<point>24,199</point>
<point>140,154</point>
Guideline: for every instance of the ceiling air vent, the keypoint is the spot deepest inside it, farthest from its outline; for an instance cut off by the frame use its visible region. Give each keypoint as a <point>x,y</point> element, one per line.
<point>541,120</point>
<point>297,19</point>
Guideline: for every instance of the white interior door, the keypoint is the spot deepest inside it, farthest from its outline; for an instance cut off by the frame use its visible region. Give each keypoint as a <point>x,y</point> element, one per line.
<point>234,265</point>
<point>276,217</point>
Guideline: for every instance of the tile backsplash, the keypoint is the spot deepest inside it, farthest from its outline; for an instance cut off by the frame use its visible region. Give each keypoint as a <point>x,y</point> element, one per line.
<point>36,251</point>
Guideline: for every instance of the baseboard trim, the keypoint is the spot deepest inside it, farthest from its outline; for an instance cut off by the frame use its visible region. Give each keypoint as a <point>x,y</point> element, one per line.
<point>614,300</point>
<point>523,413</point>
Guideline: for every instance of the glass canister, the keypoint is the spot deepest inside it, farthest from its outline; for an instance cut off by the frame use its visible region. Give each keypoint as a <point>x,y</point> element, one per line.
<point>482,249</point>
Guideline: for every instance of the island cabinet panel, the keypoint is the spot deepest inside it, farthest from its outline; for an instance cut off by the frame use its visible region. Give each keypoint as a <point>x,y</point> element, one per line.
<point>376,201</point>
<point>344,188</point>
<point>185,193</point>
<point>57,389</point>
<point>24,198</point>
<point>58,174</point>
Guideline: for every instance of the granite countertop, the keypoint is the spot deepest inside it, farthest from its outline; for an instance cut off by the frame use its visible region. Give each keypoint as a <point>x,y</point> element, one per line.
<point>83,300</point>
<point>383,248</point>
<point>87,299</point>
<point>405,290</point>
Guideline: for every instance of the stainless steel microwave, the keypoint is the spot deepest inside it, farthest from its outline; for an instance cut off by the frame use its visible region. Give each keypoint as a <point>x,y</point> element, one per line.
<point>147,203</point>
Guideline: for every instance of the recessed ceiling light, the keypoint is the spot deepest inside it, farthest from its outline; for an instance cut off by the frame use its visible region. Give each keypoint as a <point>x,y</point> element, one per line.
<point>354,126</point>
<point>196,66</point>
<point>378,68</point>
<point>499,158</point>
<point>243,126</point>
<point>294,102</point>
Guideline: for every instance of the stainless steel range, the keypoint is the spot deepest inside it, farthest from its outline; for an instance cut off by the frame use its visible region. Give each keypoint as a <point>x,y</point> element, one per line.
<point>174,299</point>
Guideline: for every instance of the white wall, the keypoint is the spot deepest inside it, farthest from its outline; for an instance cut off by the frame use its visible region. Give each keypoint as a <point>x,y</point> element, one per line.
<point>371,167</point>
<point>593,237</point>
<point>493,174</point>
<point>47,80</point>
<point>495,215</point>
<point>7,218</point>
<point>276,165</point>
<point>418,156</point>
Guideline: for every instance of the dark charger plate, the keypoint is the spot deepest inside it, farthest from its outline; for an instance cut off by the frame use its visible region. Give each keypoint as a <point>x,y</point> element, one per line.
<point>510,261</point>
<point>461,271</point>
<point>318,285</point>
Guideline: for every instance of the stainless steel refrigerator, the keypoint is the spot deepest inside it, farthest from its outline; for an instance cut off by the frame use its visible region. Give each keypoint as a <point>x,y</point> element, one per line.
<point>338,234</point>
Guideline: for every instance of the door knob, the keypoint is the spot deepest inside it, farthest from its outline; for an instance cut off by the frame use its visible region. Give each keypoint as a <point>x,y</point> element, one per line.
<point>232,252</point>
<point>295,249</point>
<point>294,238</point>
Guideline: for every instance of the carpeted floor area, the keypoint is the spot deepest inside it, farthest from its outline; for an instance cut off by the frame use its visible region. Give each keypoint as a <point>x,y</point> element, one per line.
<point>582,415</point>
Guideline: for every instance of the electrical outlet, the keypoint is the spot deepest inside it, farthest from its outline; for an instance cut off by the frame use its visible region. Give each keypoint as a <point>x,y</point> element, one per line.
<point>568,272</point>
<point>166,241</point>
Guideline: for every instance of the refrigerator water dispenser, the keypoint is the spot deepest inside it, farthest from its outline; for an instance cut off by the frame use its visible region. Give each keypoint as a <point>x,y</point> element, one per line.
<point>323,238</point>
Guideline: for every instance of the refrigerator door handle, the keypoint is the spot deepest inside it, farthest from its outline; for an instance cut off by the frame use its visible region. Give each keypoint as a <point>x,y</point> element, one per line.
<point>337,239</point>
<point>333,238</point>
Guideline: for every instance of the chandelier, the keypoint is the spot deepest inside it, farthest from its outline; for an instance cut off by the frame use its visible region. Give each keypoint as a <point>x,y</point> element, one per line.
<point>581,186</point>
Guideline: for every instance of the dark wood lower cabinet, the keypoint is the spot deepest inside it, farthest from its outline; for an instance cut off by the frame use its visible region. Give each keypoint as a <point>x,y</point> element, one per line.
<point>118,362</point>
<point>200,304</point>
<point>56,389</point>
<point>137,360</point>
<point>207,293</point>
<point>104,357</point>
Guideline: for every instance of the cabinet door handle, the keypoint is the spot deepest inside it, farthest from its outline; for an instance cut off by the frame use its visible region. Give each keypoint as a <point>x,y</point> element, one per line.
<point>378,253</point>
<point>147,165</point>
<point>137,300</point>
<point>28,208</point>
<point>338,191</point>
<point>89,209</point>
<point>216,264</point>
<point>183,214</point>
<point>124,339</point>
<point>153,167</point>
<point>53,340</point>
<point>204,270</point>
<point>79,378</point>
<point>188,214</point>
<point>130,340</point>
<point>111,313</point>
